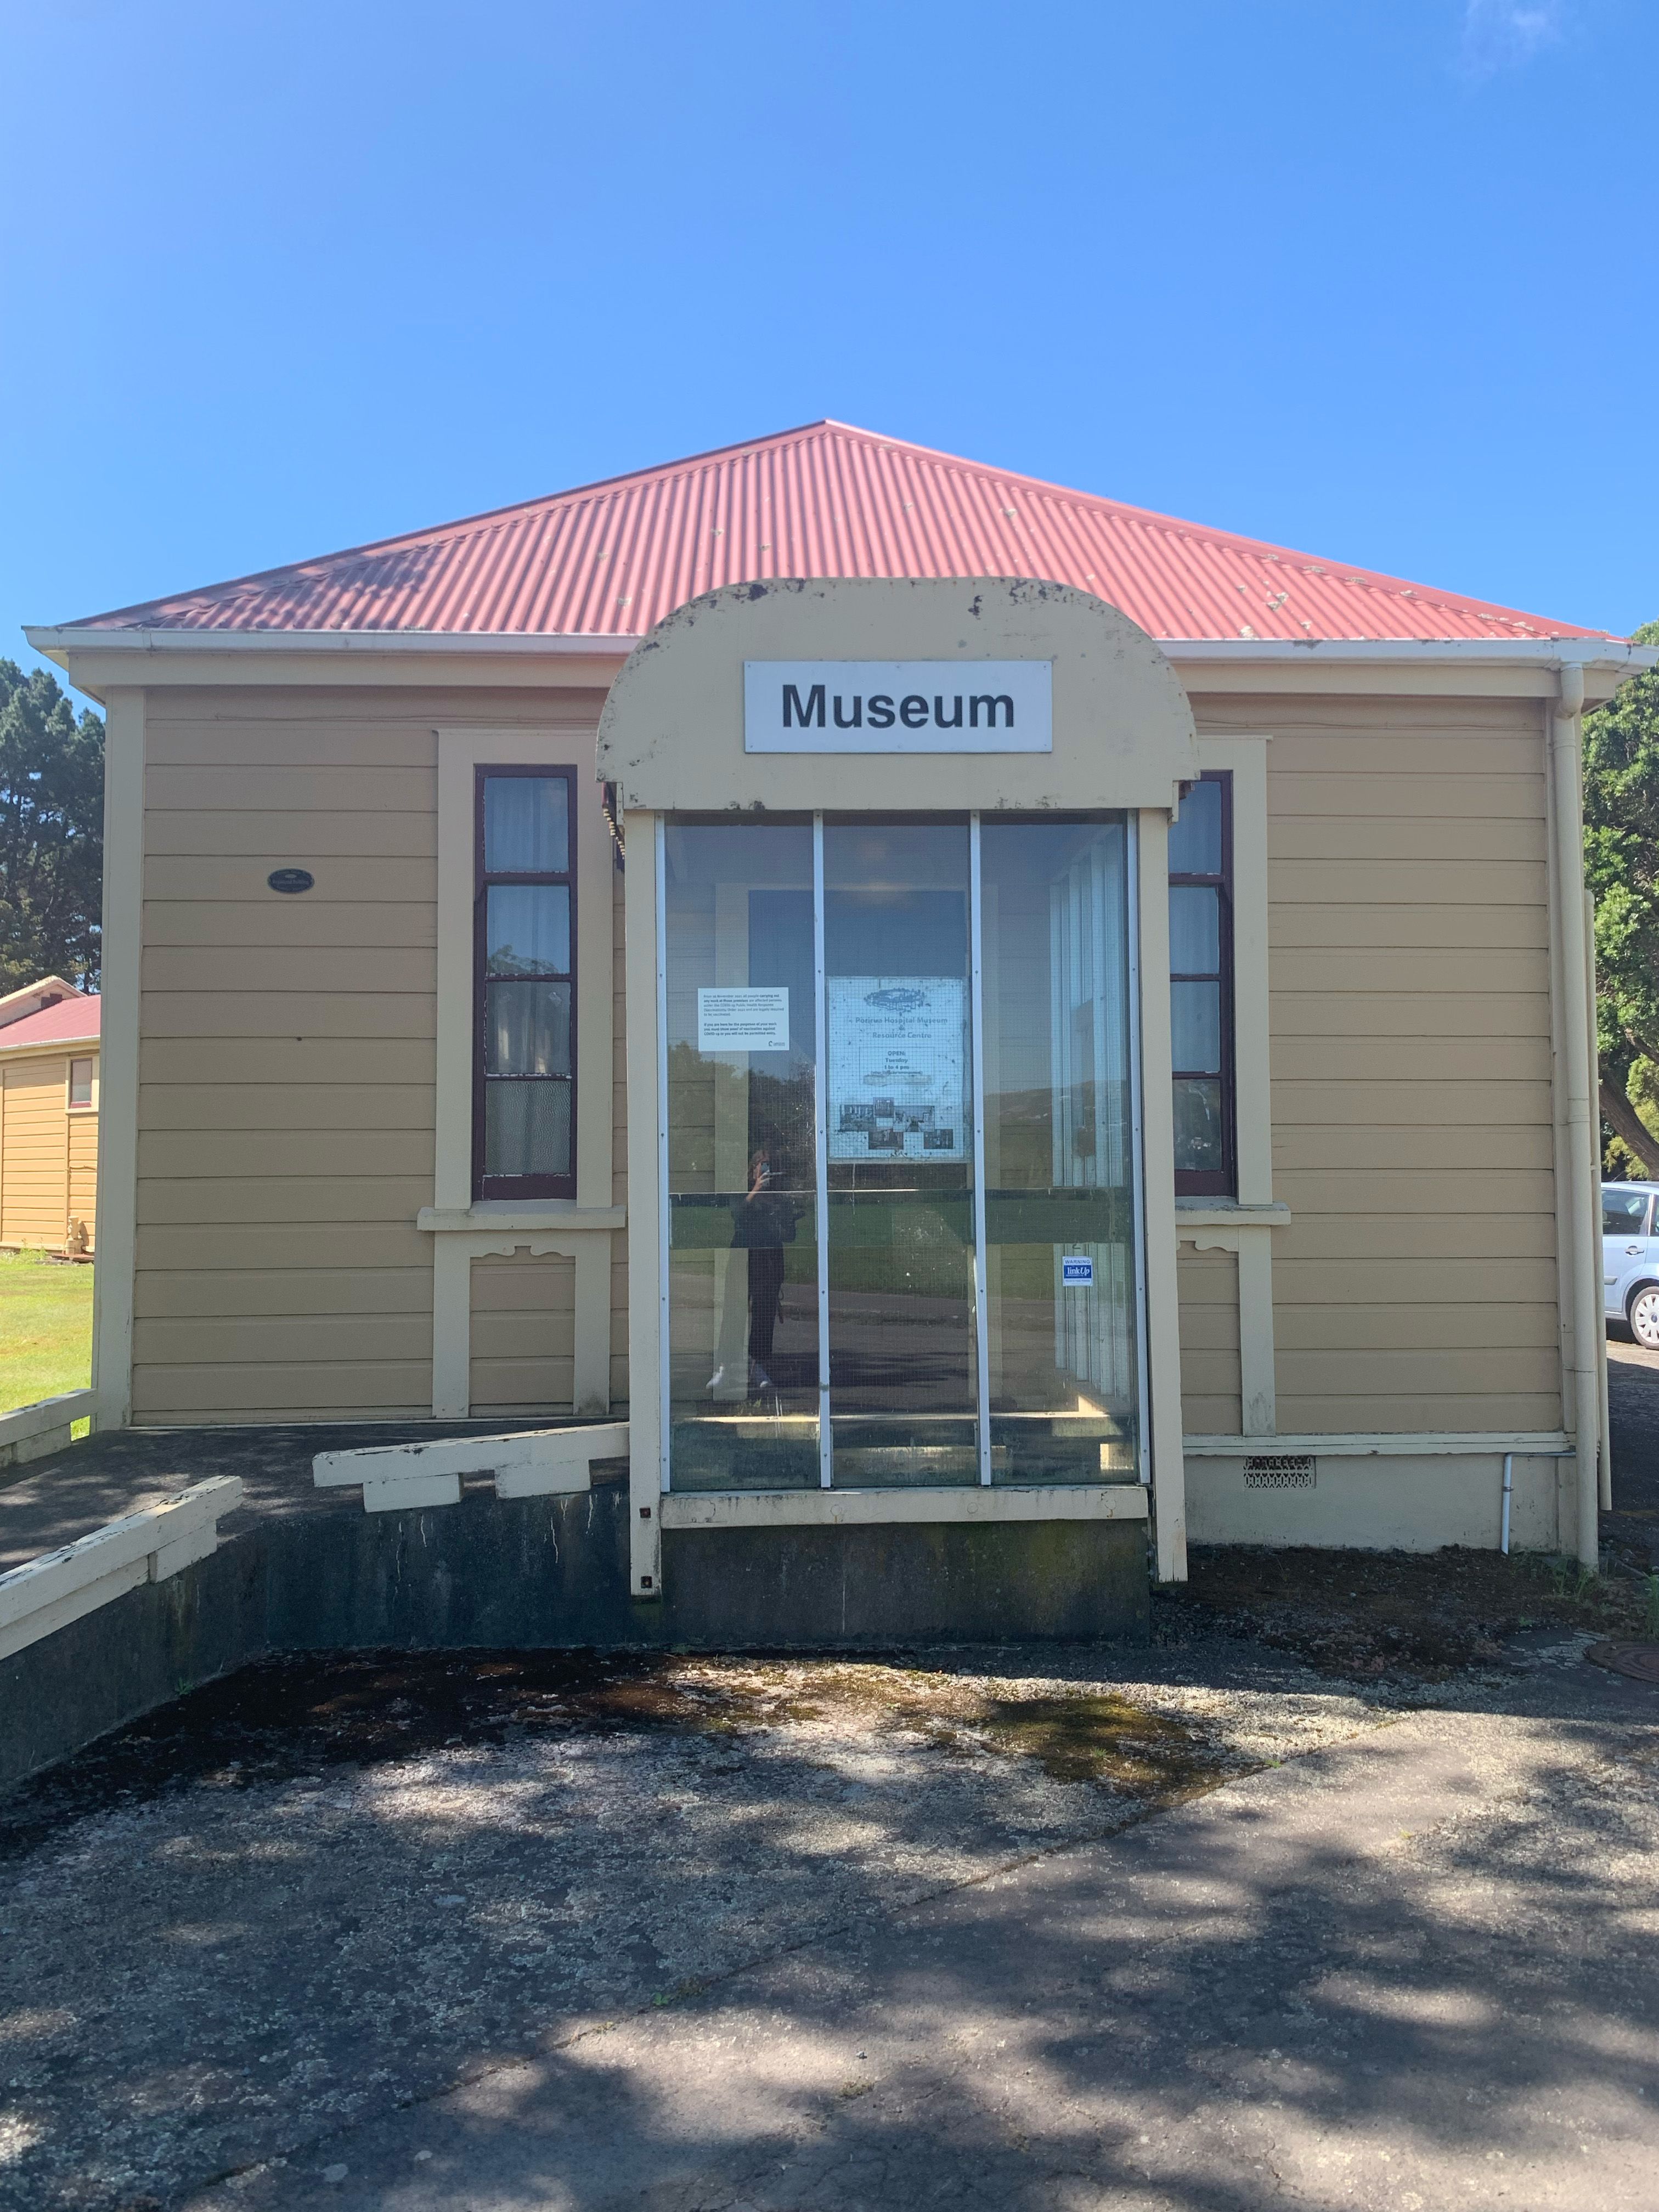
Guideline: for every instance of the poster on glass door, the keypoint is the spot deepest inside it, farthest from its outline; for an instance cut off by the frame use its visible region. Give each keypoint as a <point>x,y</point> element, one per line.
<point>898,1074</point>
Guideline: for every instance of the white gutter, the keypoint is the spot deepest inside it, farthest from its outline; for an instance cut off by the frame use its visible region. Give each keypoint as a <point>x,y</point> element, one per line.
<point>1524,652</point>
<point>1496,652</point>
<point>45,1044</point>
<point>1583,1118</point>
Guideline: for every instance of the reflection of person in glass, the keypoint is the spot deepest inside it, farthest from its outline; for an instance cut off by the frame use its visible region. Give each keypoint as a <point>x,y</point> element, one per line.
<point>763,1223</point>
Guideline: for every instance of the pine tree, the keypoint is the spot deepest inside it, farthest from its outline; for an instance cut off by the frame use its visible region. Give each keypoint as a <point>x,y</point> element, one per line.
<point>1621,866</point>
<point>52,832</point>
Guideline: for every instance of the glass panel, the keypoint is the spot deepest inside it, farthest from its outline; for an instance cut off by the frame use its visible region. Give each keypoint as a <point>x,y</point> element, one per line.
<point>1195,834</point>
<point>527,929</point>
<point>902,1345</point>
<point>1194,930</point>
<point>1199,1148</point>
<point>527,1029</point>
<point>80,1083</point>
<point>1059,1159</point>
<point>1195,1026</point>
<point>1623,1212</point>
<point>526,1128</point>
<point>742,1249</point>
<point>526,825</point>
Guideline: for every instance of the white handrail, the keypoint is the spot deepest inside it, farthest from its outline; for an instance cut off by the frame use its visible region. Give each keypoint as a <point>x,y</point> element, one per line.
<point>47,1594</point>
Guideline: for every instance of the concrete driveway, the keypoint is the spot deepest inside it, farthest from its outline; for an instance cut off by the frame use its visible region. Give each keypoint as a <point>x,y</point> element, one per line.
<point>1417,1972</point>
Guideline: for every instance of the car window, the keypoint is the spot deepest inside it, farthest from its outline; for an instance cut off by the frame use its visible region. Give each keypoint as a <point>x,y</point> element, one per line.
<point>1623,1213</point>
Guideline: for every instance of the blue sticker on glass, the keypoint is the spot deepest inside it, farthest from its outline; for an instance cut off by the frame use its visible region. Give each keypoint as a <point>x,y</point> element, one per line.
<point>1076,1272</point>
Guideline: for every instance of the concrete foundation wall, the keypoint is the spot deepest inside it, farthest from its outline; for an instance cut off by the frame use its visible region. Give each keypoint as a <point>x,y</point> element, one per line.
<point>1410,1504</point>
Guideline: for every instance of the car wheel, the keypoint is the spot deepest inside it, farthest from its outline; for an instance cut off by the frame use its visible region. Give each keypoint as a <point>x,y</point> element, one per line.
<point>1644,1313</point>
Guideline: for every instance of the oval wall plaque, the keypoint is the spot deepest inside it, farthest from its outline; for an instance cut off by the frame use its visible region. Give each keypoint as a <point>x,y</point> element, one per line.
<point>290,879</point>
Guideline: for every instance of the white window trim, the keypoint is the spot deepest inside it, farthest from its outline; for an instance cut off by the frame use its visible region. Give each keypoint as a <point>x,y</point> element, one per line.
<point>1247,1227</point>
<point>464,1229</point>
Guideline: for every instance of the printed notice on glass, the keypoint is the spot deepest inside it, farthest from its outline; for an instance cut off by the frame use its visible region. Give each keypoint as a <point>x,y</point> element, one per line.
<point>898,1087</point>
<point>742,1020</point>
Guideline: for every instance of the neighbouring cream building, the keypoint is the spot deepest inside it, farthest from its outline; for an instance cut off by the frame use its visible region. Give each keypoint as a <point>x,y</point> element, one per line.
<point>943,1000</point>
<point>49,1118</point>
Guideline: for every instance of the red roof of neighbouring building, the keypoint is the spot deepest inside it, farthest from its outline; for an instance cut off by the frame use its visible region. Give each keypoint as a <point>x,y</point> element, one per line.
<point>68,1021</point>
<point>609,559</point>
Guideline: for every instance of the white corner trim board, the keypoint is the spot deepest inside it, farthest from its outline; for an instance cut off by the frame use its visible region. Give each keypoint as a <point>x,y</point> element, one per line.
<point>48,1593</point>
<point>531,1463</point>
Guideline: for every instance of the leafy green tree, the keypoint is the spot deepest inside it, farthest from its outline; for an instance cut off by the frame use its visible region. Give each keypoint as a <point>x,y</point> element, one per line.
<point>52,832</point>
<point>1621,862</point>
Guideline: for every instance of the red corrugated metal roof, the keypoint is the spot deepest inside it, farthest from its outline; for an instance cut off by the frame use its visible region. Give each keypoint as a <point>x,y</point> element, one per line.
<point>71,1021</point>
<point>610,559</point>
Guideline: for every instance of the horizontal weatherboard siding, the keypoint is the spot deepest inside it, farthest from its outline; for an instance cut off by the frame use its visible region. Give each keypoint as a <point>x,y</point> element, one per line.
<point>1416,1286</point>
<point>287,1061</point>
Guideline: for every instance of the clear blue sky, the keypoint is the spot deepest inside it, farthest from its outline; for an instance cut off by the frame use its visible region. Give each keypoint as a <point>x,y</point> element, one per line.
<point>1374,278</point>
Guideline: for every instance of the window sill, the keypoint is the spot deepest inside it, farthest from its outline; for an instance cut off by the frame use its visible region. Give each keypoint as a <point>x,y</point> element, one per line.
<point>530,1213</point>
<point>832,1509</point>
<point>1228,1213</point>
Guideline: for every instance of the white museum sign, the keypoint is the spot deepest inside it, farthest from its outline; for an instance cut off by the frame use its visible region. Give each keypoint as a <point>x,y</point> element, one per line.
<point>898,707</point>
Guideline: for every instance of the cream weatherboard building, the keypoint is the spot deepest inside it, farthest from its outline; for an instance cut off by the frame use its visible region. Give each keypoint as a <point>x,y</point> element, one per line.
<point>943,999</point>
<point>49,1118</point>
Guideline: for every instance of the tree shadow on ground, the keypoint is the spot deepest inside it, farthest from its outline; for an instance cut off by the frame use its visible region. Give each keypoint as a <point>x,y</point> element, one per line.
<point>345,1882</point>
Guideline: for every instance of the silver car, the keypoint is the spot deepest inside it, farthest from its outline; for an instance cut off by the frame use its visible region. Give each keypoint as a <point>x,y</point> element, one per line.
<point>1629,1258</point>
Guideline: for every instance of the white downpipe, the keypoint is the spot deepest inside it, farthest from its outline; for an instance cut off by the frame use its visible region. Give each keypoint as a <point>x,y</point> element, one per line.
<point>1582,1121</point>
<point>1509,1491</point>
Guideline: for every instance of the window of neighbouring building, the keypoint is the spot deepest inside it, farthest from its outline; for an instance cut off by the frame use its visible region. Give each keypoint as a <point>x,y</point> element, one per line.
<point>80,1083</point>
<point>524,1068</point>
<point>1200,989</point>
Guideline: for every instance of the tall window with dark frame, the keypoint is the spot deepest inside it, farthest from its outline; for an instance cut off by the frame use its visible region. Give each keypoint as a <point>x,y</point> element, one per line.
<point>524,1090</point>
<point>1201,989</point>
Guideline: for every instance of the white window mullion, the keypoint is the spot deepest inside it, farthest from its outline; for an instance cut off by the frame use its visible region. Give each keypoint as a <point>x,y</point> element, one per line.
<point>821,1154</point>
<point>664,1344</point>
<point>976,1021</point>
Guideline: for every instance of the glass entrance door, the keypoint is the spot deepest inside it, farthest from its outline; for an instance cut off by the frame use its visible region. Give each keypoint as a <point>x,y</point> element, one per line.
<point>900,1081</point>
<point>904,1365</point>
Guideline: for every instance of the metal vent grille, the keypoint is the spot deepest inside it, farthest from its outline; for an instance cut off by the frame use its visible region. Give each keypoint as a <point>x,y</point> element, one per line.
<point>1280,1471</point>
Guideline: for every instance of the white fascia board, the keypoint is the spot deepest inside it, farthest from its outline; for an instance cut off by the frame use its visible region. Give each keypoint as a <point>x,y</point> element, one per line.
<point>1530,653</point>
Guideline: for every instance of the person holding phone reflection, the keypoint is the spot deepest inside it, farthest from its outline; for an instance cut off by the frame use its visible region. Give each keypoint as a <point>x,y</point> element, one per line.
<point>763,1223</point>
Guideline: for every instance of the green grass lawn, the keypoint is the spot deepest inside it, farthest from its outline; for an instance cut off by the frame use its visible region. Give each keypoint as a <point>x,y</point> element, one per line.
<point>45,1329</point>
